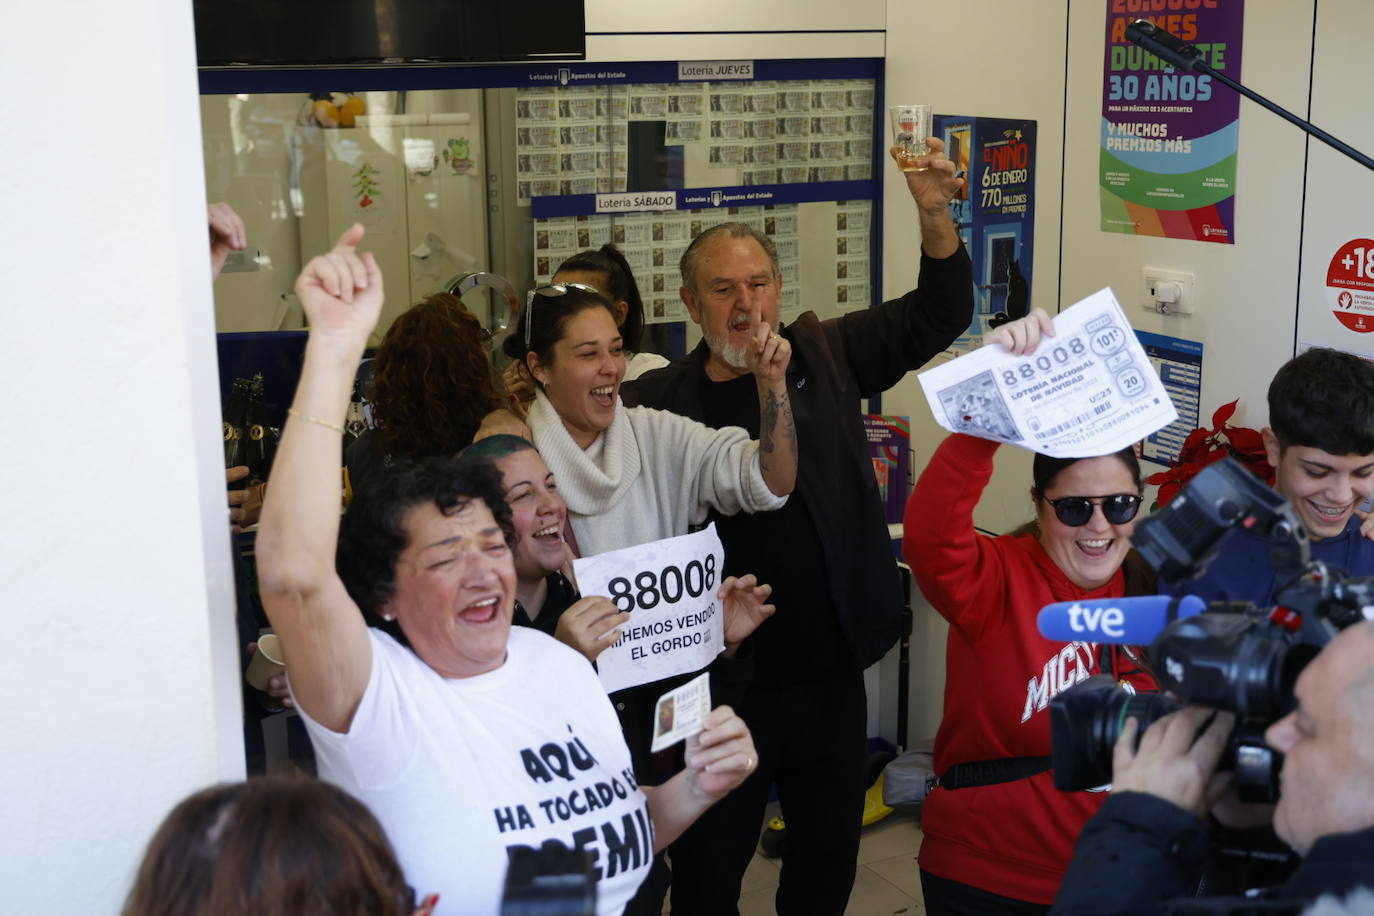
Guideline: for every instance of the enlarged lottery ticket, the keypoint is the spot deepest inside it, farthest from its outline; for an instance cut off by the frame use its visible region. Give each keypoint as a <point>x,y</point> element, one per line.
<point>1088,390</point>
<point>681,713</point>
<point>668,588</point>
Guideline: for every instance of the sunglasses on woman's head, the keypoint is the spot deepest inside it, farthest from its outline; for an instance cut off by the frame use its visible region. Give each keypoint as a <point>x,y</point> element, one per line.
<point>1075,511</point>
<point>549,291</point>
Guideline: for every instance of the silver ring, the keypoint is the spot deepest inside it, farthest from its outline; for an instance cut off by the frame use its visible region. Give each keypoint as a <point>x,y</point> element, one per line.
<point>749,764</point>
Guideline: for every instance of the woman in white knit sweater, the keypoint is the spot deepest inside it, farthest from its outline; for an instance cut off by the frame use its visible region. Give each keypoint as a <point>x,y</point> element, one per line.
<point>631,475</point>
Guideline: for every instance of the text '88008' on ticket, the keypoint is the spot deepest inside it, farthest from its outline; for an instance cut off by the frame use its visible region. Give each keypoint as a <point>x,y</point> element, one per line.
<point>1088,390</point>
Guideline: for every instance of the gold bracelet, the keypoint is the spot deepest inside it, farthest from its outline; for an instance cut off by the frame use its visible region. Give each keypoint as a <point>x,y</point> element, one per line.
<point>291,411</point>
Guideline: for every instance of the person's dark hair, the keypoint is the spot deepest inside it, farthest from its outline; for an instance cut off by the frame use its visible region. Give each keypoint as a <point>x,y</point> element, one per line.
<point>551,316</point>
<point>688,263</point>
<point>432,380</point>
<point>372,533</point>
<point>1045,469</point>
<point>620,286</point>
<point>1324,399</point>
<point>272,846</point>
<point>494,448</point>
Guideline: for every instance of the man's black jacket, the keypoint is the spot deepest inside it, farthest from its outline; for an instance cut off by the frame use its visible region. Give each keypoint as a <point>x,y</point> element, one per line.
<point>1143,856</point>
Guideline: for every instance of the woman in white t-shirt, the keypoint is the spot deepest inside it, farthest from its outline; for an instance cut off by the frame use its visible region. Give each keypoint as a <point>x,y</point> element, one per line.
<point>470,742</point>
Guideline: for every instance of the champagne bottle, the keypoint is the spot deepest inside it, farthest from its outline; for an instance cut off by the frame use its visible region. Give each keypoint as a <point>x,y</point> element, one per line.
<point>258,445</point>
<point>356,421</point>
<point>235,418</point>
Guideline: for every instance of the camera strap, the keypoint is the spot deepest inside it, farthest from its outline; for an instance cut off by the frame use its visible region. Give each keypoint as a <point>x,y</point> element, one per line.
<point>990,772</point>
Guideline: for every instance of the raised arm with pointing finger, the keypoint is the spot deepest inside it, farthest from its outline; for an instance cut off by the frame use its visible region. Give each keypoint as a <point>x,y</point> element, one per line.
<point>769,354</point>
<point>827,554</point>
<point>319,626</point>
<point>437,716</point>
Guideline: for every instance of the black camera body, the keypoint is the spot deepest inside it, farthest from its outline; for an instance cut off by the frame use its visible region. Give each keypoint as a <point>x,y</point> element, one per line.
<point>1233,656</point>
<point>1232,660</point>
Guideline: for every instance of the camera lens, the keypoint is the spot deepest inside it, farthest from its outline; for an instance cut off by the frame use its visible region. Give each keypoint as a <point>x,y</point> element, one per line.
<point>1111,718</point>
<point>1085,722</point>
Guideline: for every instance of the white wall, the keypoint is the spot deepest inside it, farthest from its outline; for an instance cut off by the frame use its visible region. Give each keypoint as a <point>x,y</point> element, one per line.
<point>1247,291</point>
<point>120,690</point>
<point>1340,192</point>
<point>731,16</point>
<point>630,30</point>
<point>1010,65</point>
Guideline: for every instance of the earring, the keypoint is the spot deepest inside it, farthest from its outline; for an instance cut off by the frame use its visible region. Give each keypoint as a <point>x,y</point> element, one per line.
<point>389,618</point>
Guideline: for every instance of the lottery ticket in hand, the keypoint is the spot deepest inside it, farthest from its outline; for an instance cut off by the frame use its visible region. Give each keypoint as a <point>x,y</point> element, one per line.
<point>1088,390</point>
<point>681,713</point>
<point>668,588</point>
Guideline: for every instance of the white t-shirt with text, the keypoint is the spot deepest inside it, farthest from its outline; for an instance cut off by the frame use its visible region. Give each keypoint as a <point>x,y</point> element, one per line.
<point>458,770</point>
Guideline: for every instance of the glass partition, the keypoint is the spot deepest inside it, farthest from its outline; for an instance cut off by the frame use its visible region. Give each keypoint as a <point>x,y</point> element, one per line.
<point>513,168</point>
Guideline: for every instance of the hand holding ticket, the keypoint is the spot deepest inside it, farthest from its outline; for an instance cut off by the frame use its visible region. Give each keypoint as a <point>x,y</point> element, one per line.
<point>1086,390</point>
<point>681,713</point>
<point>721,755</point>
<point>1022,337</point>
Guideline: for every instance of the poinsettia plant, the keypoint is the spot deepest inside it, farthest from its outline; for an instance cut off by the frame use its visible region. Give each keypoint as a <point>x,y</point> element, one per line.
<point>1207,446</point>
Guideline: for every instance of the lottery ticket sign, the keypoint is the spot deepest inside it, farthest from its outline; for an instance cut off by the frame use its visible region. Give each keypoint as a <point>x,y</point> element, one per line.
<point>668,588</point>
<point>1088,390</point>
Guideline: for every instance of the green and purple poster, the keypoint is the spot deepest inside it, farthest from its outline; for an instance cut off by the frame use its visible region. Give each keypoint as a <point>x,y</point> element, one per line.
<point>1168,156</point>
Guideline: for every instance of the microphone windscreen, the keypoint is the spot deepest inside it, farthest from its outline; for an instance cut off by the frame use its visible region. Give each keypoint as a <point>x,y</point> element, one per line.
<point>1130,621</point>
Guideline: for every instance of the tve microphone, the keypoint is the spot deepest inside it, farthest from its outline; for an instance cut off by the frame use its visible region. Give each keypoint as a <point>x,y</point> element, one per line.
<point>1131,621</point>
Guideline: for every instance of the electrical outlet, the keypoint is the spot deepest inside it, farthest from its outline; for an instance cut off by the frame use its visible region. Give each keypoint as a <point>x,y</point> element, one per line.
<point>1169,292</point>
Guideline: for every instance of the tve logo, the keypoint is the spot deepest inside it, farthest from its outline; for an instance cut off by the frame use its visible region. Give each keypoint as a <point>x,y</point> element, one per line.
<point>1107,621</point>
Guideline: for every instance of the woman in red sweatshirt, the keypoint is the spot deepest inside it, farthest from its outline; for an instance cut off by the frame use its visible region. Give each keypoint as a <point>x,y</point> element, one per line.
<point>1003,847</point>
